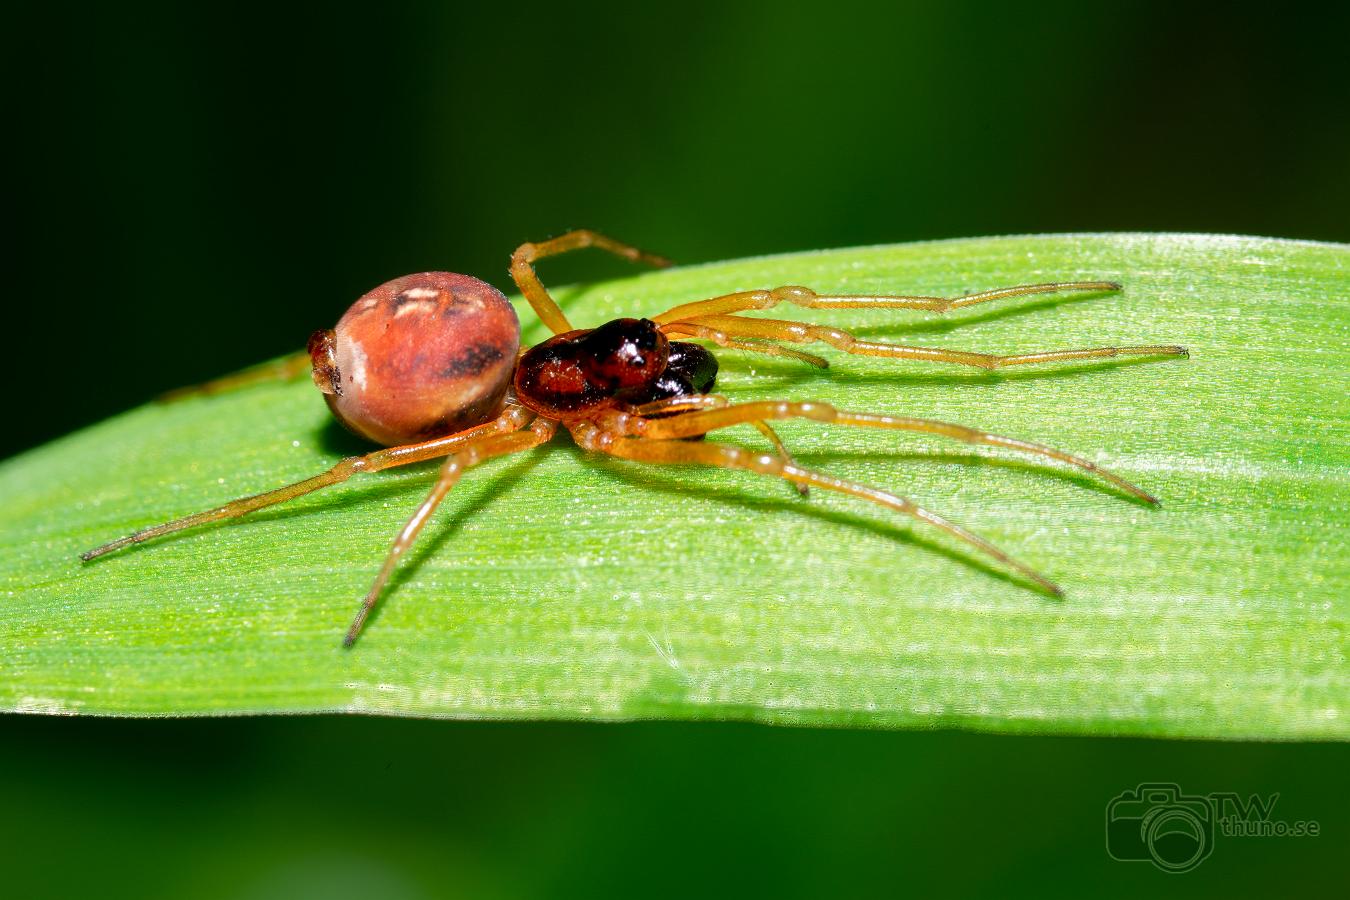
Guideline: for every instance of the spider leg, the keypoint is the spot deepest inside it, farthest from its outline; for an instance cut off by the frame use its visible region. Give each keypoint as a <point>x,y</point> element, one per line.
<point>512,420</point>
<point>522,269</point>
<point>805,297</point>
<point>284,369</point>
<point>765,429</point>
<point>468,454</point>
<point>711,419</point>
<point>802,333</point>
<point>722,339</point>
<point>594,437</point>
<point>717,401</point>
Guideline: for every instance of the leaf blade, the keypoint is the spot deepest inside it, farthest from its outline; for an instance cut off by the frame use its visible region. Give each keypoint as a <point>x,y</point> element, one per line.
<point>557,585</point>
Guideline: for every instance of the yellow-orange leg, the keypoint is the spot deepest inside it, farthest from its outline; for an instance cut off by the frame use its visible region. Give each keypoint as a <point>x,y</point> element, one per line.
<point>513,419</point>
<point>722,339</point>
<point>704,421</point>
<point>802,333</point>
<point>715,401</point>
<point>805,297</point>
<point>522,269</point>
<point>594,437</point>
<point>469,454</point>
<point>283,369</point>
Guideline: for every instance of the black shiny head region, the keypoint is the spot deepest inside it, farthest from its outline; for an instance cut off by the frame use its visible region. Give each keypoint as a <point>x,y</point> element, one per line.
<point>690,370</point>
<point>625,354</point>
<point>695,364</point>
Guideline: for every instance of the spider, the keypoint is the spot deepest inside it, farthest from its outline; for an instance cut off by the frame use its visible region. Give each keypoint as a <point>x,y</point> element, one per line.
<point>430,366</point>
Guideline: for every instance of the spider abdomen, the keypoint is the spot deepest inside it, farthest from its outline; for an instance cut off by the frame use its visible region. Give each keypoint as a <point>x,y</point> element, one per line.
<point>418,357</point>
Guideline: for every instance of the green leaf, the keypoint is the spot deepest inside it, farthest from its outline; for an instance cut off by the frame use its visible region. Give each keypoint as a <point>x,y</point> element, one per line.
<point>560,585</point>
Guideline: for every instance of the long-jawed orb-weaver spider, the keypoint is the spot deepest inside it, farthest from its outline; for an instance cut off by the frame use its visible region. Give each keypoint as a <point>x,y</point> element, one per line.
<point>430,366</point>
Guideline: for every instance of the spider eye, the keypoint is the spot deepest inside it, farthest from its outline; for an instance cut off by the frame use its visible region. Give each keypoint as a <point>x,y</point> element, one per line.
<point>693,363</point>
<point>625,354</point>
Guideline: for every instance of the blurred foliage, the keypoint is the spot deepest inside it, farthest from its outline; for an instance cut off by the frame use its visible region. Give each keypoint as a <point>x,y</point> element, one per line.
<point>336,808</point>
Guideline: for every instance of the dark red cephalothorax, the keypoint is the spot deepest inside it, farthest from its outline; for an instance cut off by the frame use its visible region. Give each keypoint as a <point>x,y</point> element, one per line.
<point>626,361</point>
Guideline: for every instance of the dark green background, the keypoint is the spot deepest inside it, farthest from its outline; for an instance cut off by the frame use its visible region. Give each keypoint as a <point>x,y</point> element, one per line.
<point>198,188</point>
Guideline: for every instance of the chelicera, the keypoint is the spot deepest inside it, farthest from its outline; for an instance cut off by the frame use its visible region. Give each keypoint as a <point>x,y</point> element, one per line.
<point>430,366</point>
